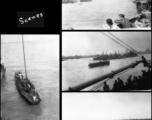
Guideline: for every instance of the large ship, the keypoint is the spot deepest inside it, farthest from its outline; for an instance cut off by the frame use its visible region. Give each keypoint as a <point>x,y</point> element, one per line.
<point>115,56</point>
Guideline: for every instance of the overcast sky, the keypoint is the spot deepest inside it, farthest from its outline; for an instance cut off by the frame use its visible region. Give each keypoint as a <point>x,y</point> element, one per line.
<point>18,38</point>
<point>86,43</point>
<point>102,106</point>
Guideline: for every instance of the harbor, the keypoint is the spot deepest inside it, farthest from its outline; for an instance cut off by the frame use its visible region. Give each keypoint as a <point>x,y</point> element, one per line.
<point>78,76</point>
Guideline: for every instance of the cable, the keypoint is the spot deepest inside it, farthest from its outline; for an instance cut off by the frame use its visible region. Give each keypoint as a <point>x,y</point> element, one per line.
<point>117,42</point>
<point>124,43</point>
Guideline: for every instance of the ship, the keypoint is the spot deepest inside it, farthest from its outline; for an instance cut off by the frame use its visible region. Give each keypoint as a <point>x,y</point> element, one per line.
<point>26,89</point>
<point>100,63</point>
<point>115,56</point>
<point>3,70</point>
<point>25,86</point>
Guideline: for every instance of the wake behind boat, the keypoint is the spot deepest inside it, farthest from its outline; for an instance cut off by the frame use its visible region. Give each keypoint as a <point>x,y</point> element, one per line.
<point>26,89</point>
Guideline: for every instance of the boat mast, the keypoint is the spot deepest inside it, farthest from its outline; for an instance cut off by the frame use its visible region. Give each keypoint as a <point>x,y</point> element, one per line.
<point>24,56</point>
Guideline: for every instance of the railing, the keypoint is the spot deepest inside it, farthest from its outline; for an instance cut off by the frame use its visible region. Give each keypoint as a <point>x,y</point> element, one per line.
<point>98,79</point>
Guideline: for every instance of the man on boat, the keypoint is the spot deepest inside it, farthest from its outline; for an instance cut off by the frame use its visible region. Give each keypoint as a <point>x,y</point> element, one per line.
<point>145,62</point>
<point>124,21</point>
<point>106,87</point>
<point>110,25</point>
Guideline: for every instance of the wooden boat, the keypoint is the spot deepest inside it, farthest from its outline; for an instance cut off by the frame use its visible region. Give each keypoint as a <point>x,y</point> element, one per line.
<point>27,89</point>
<point>101,63</point>
<point>3,70</point>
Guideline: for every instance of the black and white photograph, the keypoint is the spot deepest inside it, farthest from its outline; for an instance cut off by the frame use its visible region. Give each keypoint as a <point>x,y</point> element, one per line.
<point>106,106</point>
<point>30,19</point>
<point>106,61</point>
<point>30,77</point>
<point>106,14</point>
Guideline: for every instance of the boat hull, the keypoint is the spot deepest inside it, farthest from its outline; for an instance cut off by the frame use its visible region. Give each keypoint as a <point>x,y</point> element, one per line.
<point>26,95</point>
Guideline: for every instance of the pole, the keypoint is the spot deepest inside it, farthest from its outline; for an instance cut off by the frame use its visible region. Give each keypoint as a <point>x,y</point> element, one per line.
<point>98,79</point>
<point>24,56</point>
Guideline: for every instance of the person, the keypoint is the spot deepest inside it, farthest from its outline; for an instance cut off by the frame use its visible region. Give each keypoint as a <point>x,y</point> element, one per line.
<point>106,87</point>
<point>144,61</point>
<point>120,83</point>
<point>129,79</point>
<point>144,3</point>
<point>142,21</point>
<point>110,25</point>
<point>115,86</point>
<point>124,21</point>
<point>139,8</point>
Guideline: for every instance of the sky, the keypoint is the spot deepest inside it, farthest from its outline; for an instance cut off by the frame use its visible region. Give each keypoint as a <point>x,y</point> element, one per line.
<point>105,106</point>
<point>89,43</point>
<point>18,38</point>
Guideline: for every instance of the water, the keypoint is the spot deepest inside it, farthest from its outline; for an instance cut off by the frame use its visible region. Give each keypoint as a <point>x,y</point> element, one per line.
<point>43,70</point>
<point>92,15</point>
<point>77,71</point>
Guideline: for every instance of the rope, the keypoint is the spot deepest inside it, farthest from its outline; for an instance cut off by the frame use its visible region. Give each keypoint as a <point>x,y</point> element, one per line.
<point>116,41</point>
<point>133,50</point>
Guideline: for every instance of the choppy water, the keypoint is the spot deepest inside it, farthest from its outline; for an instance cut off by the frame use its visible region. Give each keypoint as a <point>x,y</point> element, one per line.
<point>43,69</point>
<point>92,15</point>
<point>77,71</point>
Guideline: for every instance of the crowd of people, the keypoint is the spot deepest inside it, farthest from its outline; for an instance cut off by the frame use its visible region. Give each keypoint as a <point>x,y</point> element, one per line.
<point>141,21</point>
<point>142,82</point>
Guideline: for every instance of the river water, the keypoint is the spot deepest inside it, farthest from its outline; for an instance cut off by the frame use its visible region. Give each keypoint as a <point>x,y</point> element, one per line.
<point>92,15</point>
<point>77,71</point>
<point>43,70</point>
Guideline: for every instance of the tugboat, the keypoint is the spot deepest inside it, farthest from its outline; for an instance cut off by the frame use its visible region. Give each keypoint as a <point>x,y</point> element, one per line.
<point>101,63</point>
<point>25,87</point>
<point>3,70</point>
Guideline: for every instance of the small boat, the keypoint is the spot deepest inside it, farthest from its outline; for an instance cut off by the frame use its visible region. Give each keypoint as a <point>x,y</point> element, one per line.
<point>101,63</point>
<point>26,89</point>
<point>24,85</point>
<point>3,70</point>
